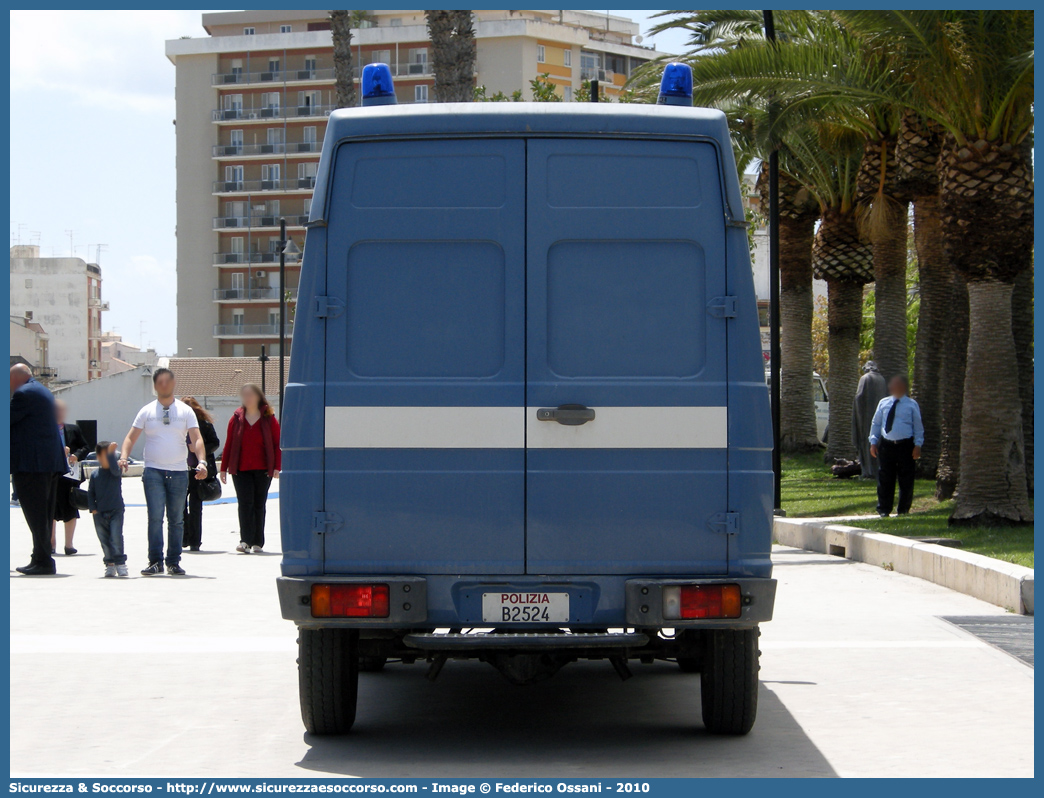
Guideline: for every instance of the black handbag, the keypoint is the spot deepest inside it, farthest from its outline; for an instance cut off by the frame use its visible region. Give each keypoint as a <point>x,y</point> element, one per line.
<point>209,489</point>
<point>78,497</point>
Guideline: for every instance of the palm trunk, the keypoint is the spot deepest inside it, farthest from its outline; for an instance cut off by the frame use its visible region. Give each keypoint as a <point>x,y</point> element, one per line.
<point>344,79</point>
<point>453,55</point>
<point>993,465</point>
<point>888,235</point>
<point>845,321</point>
<point>1022,330</point>
<point>797,406</point>
<point>934,272</point>
<point>951,389</point>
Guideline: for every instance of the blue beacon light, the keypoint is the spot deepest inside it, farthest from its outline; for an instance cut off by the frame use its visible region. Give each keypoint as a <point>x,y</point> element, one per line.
<point>378,88</point>
<point>676,85</point>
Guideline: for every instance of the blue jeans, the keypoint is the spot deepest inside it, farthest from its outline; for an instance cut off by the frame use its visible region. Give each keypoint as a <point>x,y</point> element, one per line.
<point>109,526</point>
<point>165,491</point>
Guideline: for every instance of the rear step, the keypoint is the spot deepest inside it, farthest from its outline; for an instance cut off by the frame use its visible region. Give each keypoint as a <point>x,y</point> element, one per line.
<point>455,641</point>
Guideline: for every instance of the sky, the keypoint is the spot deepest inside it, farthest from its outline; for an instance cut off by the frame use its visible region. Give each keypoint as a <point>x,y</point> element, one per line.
<point>92,151</point>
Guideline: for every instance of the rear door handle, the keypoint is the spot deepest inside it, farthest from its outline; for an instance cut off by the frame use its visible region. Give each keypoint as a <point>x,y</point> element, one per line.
<point>569,415</point>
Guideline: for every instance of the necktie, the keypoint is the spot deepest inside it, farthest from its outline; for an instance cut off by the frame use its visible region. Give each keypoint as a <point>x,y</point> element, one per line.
<point>891,416</point>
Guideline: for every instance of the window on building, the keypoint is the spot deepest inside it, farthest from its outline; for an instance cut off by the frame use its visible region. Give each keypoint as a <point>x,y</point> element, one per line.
<point>308,134</point>
<point>380,57</point>
<point>238,317</point>
<point>235,138</point>
<point>276,135</point>
<point>272,208</point>
<point>319,26</point>
<point>395,22</point>
<point>567,93</point>
<point>311,63</point>
<point>540,53</point>
<point>420,94</point>
<point>286,28</point>
<point>273,318</point>
<point>248,31</point>
<point>270,100</point>
<point>233,178</point>
<point>616,63</point>
<point>418,60</point>
<point>270,175</point>
<point>306,206</point>
<point>567,58</point>
<point>237,67</point>
<point>238,350</point>
<point>232,105</point>
<point>237,281</point>
<point>235,244</point>
<point>308,100</point>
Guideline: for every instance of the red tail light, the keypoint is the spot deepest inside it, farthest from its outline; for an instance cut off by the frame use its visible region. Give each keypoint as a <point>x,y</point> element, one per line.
<point>349,601</point>
<point>685,602</point>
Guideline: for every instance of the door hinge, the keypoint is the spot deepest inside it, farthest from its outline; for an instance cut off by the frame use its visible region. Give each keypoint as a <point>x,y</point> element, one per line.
<point>723,307</point>
<point>322,523</point>
<point>728,523</point>
<point>328,307</point>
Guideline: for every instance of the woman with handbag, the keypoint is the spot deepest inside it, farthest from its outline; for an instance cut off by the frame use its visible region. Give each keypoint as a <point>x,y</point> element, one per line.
<point>253,459</point>
<point>65,506</point>
<point>200,491</point>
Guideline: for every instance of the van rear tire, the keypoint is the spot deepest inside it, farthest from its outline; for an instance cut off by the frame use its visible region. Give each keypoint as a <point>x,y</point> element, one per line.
<point>729,681</point>
<point>328,678</point>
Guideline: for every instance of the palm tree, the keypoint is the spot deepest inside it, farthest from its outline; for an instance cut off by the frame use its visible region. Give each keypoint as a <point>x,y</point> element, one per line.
<point>344,79</point>
<point>917,180</point>
<point>972,73</point>
<point>453,55</point>
<point>713,33</point>
<point>951,389</point>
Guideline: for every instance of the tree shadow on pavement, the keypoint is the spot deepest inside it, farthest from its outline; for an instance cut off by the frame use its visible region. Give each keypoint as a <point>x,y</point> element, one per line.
<point>584,722</point>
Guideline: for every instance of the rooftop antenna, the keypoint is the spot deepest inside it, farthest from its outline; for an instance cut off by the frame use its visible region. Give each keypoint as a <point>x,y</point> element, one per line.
<point>19,233</point>
<point>72,251</point>
<point>98,249</point>
<point>34,237</point>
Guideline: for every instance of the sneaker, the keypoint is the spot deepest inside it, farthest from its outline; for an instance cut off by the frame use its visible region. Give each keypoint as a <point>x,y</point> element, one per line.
<point>255,549</point>
<point>121,570</point>
<point>175,570</point>
<point>110,570</point>
<point>243,548</point>
<point>154,569</point>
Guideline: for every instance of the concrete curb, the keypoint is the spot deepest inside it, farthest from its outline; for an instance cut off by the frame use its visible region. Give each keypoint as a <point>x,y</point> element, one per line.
<point>1004,584</point>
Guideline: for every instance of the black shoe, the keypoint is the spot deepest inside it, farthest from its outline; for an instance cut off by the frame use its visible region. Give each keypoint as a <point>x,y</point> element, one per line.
<point>69,551</point>
<point>193,548</point>
<point>175,570</point>
<point>37,569</point>
<point>154,569</point>
<point>882,515</point>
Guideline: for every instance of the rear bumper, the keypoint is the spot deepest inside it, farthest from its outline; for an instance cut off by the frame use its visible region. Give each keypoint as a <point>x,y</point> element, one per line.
<point>417,602</point>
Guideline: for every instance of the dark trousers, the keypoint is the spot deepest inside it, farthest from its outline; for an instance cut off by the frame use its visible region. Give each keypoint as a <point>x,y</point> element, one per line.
<point>193,514</point>
<point>36,493</point>
<point>252,493</point>
<point>895,463</point>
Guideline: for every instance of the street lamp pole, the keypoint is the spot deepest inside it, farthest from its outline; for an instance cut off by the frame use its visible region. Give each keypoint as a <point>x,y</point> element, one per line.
<point>264,360</point>
<point>774,353</point>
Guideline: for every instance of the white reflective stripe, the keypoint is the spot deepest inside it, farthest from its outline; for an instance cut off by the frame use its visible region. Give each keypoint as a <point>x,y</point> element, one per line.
<point>425,428</point>
<point>514,428</point>
<point>634,428</point>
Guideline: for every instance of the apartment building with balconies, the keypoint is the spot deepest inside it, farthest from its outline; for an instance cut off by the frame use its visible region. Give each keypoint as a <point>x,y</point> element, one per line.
<point>252,101</point>
<point>63,295</point>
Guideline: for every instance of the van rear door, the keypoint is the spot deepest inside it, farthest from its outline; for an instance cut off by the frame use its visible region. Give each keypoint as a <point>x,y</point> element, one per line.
<point>425,362</point>
<point>626,257</point>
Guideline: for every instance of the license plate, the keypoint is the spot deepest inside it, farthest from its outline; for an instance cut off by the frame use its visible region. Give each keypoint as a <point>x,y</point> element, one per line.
<point>525,607</point>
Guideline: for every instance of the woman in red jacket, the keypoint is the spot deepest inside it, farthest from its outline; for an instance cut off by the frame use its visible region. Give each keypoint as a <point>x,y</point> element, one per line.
<point>252,457</point>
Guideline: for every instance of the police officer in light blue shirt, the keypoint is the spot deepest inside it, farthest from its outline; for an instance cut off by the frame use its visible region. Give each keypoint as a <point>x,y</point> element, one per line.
<point>896,437</point>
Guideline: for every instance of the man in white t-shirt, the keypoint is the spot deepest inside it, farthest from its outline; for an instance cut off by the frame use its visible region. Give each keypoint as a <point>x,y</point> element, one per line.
<point>167,423</point>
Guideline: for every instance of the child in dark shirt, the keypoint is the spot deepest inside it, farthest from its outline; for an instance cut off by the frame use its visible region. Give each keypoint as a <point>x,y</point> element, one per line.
<point>105,501</point>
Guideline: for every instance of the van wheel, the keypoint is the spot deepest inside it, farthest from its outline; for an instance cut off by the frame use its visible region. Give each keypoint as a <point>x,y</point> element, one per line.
<point>328,677</point>
<point>729,682</point>
<point>372,664</point>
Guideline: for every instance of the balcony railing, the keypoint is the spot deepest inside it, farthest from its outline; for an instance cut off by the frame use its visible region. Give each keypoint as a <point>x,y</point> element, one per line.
<point>251,294</point>
<point>240,78</point>
<point>271,112</point>
<point>235,150</point>
<point>259,220</point>
<point>252,257</point>
<point>259,330</point>
<point>289,184</point>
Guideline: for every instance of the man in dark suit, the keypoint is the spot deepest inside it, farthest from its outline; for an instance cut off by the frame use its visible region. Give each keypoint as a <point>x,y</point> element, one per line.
<point>37,462</point>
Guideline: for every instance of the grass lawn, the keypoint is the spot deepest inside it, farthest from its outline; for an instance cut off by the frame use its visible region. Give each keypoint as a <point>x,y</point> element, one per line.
<point>809,490</point>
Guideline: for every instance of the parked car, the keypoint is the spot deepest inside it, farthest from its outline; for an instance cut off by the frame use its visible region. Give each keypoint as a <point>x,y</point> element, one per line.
<point>822,402</point>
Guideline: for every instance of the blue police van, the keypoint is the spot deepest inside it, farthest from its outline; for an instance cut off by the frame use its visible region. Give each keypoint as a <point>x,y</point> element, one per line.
<point>526,419</point>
